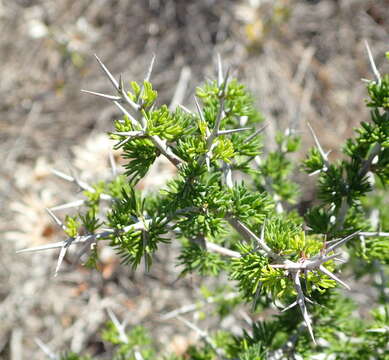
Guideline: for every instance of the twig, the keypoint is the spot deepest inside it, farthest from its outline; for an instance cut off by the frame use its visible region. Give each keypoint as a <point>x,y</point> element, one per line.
<point>84,239</point>
<point>249,235</point>
<point>222,250</point>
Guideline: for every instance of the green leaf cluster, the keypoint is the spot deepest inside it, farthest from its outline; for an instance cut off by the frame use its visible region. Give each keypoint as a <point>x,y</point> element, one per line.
<point>231,207</point>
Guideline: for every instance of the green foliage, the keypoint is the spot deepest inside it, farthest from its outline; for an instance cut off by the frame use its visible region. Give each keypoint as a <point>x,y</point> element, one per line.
<point>135,236</point>
<point>379,93</point>
<point>141,154</point>
<point>238,103</point>
<point>246,230</point>
<point>71,225</point>
<point>247,205</point>
<point>195,258</point>
<point>248,270</point>
<point>276,168</point>
<point>287,238</point>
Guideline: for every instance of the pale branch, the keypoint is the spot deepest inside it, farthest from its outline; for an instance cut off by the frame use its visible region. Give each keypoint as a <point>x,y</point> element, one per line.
<point>166,150</point>
<point>243,230</point>
<point>82,239</point>
<point>221,250</point>
<point>312,263</point>
<point>82,184</point>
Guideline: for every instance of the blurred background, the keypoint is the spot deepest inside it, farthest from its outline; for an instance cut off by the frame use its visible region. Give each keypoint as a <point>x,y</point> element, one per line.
<point>303,60</point>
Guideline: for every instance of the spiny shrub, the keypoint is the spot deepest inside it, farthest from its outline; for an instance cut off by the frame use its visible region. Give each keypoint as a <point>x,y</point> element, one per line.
<point>246,231</point>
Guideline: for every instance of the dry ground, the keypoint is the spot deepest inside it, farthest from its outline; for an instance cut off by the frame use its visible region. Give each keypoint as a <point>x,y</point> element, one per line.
<point>302,59</point>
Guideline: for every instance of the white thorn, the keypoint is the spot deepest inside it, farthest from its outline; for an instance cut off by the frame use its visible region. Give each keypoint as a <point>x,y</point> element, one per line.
<point>62,175</point>
<point>333,277</point>
<point>55,245</point>
<point>220,77</point>
<point>60,259</point>
<point>199,110</point>
<point>231,131</point>
<point>107,72</point>
<point>321,151</point>
<point>68,205</point>
<point>150,69</point>
<point>293,304</point>
<point>56,220</point>
<point>112,164</point>
<point>105,96</point>
<point>372,63</point>
<point>125,112</point>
